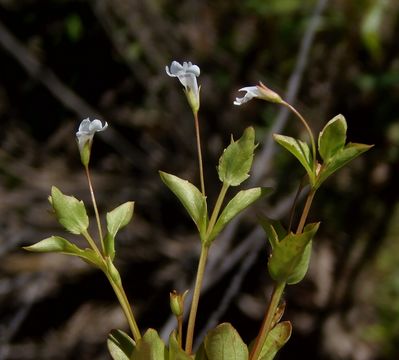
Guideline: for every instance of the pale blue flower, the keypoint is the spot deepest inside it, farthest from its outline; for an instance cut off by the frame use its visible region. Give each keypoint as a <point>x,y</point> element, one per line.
<point>260,91</point>
<point>252,92</point>
<point>187,75</point>
<point>87,129</point>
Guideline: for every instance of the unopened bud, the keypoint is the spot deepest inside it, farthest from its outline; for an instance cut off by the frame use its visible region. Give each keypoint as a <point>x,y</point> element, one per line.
<point>177,302</point>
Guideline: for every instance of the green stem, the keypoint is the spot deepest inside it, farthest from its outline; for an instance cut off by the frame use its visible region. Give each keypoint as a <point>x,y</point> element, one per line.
<point>278,289</point>
<point>121,295</point>
<point>267,321</point>
<point>196,295</point>
<point>179,330</point>
<point>93,199</point>
<point>292,211</point>
<point>201,270</point>
<point>305,211</point>
<point>93,244</point>
<point>118,289</point>
<point>304,122</point>
<point>201,169</point>
<point>216,209</point>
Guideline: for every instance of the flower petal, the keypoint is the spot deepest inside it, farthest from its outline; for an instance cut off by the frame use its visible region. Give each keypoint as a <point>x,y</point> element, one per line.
<point>96,125</point>
<point>251,92</point>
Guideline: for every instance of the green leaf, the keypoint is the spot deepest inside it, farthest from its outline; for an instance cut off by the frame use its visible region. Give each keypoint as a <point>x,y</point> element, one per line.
<point>60,245</point>
<point>224,343</point>
<point>175,351</point>
<point>236,160</point>
<point>70,212</point>
<point>332,138</point>
<point>289,259</point>
<point>302,266</point>
<point>120,345</point>
<point>191,198</point>
<point>273,229</point>
<point>238,203</point>
<point>116,220</point>
<point>275,340</point>
<point>150,347</point>
<point>201,353</point>
<point>300,150</point>
<point>340,159</point>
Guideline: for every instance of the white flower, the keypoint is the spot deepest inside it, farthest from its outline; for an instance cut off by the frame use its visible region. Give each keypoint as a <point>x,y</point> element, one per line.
<point>252,92</point>
<point>260,91</point>
<point>87,129</point>
<point>187,75</point>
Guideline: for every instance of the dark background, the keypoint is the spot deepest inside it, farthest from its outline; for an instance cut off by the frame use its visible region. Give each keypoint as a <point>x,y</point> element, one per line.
<point>62,61</point>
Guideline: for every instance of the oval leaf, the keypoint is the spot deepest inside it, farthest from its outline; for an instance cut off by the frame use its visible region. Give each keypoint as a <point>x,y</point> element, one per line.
<point>120,345</point>
<point>116,220</point>
<point>236,160</point>
<point>238,203</point>
<point>224,343</point>
<point>191,198</point>
<point>332,138</point>
<point>300,150</point>
<point>71,213</point>
<point>60,245</point>
<point>150,347</point>
<point>275,340</point>
<point>302,267</point>
<point>287,262</point>
<point>340,159</point>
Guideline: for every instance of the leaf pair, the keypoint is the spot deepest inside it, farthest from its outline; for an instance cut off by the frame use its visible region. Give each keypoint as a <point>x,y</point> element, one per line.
<point>71,213</point>
<point>332,149</point>
<point>233,169</point>
<point>290,257</point>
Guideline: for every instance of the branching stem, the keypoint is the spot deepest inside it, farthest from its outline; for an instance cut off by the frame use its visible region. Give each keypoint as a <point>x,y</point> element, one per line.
<point>305,211</point>
<point>309,131</point>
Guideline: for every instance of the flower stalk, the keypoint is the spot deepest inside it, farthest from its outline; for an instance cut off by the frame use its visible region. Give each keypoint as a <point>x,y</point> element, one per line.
<point>198,138</point>
<point>201,270</point>
<point>93,199</point>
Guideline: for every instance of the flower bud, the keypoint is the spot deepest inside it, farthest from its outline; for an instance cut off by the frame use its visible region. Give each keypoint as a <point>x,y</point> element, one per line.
<point>177,302</point>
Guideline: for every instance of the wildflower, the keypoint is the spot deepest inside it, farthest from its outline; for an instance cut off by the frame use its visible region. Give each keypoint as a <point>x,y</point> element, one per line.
<point>260,91</point>
<point>187,75</point>
<point>85,135</point>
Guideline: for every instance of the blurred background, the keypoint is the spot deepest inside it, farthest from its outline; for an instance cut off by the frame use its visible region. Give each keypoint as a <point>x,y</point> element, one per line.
<point>62,61</point>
